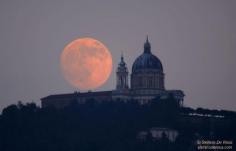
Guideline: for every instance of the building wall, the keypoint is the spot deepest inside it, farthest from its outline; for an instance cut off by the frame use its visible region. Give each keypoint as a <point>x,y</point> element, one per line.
<point>157,133</point>
<point>147,79</point>
<point>142,95</point>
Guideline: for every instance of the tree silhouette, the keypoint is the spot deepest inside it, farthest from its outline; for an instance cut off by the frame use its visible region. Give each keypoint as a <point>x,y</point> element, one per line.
<point>107,125</point>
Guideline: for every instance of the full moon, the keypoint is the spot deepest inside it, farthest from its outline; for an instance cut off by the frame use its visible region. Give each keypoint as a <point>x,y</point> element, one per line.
<point>86,63</point>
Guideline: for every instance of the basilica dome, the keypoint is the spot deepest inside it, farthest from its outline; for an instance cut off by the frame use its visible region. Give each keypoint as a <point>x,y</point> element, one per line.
<point>147,60</point>
<point>147,75</point>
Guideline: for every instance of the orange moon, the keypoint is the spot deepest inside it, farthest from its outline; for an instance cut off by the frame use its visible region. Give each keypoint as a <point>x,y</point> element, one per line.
<point>86,63</point>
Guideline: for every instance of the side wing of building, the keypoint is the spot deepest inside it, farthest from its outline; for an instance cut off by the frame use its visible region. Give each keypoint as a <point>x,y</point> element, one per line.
<point>63,100</point>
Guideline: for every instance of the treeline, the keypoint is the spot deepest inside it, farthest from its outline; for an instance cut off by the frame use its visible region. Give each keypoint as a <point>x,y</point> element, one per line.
<point>93,126</point>
<point>208,112</point>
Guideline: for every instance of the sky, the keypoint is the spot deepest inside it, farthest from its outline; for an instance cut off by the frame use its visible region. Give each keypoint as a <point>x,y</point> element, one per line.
<point>194,39</point>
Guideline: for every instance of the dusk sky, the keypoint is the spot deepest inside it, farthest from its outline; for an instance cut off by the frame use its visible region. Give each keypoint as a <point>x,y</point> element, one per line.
<point>194,39</point>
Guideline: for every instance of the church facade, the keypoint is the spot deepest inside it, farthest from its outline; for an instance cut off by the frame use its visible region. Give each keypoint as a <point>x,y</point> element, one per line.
<point>147,81</point>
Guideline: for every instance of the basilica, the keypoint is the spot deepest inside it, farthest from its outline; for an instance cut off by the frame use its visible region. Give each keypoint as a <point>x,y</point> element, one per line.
<point>147,81</point>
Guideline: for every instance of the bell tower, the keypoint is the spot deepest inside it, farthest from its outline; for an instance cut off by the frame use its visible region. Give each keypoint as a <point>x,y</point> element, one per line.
<point>122,75</point>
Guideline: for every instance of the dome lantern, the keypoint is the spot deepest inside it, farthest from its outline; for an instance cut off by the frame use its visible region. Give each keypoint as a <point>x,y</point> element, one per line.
<point>147,46</point>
